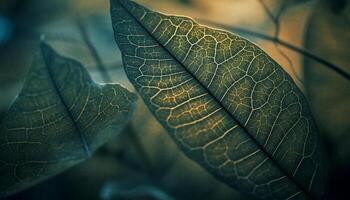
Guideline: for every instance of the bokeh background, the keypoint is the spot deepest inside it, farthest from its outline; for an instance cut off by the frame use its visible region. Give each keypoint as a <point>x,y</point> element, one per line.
<point>142,162</point>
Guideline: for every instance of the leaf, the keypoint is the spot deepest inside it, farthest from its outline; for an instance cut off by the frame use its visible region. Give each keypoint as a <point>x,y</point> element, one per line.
<point>327,91</point>
<point>171,170</point>
<point>174,171</point>
<point>58,120</point>
<point>224,101</point>
<point>133,190</point>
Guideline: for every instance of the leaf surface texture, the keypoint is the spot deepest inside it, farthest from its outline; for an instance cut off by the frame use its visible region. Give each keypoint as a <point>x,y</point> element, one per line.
<point>224,101</point>
<point>59,119</point>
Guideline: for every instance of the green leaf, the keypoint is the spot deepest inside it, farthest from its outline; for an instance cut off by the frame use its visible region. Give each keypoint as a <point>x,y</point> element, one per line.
<point>327,91</point>
<point>58,120</point>
<point>224,101</point>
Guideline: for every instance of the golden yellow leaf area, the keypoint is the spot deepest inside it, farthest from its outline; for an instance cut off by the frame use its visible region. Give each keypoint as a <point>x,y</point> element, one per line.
<point>224,101</point>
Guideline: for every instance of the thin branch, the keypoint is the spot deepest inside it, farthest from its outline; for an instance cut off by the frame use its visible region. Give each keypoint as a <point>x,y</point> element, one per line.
<point>269,13</point>
<point>292,47</point>
<point>101,67</point>
<point>276,22</point>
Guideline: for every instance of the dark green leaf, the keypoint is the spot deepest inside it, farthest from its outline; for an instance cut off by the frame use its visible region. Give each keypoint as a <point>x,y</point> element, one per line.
<point>224,101</point>
<point>58,120</point>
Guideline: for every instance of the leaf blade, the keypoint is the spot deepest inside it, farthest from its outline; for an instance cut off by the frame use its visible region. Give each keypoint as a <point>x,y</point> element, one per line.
<point>209,89</point>
<point>57,121</point>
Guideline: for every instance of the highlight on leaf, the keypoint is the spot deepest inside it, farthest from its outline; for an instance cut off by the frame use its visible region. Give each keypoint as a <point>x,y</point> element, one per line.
<point>59,119</point>
<point>224,101</point>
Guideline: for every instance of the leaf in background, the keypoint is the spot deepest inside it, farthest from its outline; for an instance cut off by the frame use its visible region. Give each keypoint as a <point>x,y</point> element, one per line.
<point>58,120</point>
<point>119,160</point>
<point>328,92</point>
<point>129,191</point>
<point>224,101</point>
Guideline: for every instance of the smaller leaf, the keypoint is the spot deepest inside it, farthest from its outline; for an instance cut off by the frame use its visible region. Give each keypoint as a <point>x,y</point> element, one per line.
<point>59,119</point>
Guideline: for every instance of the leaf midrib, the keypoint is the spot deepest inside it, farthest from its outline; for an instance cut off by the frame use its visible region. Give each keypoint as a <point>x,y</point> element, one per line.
<point>220,104</point>
<point>80,133</point>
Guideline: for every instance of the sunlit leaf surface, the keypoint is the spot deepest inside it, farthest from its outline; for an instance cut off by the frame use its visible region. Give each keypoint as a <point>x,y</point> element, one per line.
<point>59,119</point>
<point>224,101</point>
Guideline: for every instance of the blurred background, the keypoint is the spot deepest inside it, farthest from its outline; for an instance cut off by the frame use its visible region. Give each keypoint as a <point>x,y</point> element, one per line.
<point>306,37</point>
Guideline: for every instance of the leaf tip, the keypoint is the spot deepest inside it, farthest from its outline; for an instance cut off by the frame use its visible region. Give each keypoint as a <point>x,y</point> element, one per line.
<point>47,51</point>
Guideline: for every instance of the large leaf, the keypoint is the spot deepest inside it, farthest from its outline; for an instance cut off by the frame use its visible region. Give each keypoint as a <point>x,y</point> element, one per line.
<point>224,101</point>
<point>58,120</point>
<point>328,92</point>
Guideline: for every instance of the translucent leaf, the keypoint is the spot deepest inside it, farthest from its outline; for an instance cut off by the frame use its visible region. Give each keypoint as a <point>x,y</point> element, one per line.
<point>59,119</point>
<point>224,101</point>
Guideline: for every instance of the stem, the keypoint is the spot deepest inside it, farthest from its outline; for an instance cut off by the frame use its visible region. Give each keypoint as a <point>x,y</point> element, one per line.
<point>101,67</point>
<point>276,22</point>
<point>300,50</point>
